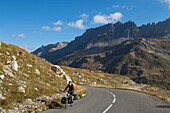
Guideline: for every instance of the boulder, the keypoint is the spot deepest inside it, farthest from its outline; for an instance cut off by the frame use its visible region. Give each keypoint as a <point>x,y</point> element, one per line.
<point>14,64</point>
<point>57,69</point>
<point>67,78</point>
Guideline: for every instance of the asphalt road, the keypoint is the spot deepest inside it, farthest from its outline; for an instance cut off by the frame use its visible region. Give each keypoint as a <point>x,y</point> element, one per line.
<point>100,100</point>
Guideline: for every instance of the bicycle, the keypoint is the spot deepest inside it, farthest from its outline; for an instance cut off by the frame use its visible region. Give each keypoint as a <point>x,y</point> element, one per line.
<point>66,99</point>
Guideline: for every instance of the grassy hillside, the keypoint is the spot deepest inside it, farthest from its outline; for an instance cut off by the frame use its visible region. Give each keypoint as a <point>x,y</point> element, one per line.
<point>30,87</point>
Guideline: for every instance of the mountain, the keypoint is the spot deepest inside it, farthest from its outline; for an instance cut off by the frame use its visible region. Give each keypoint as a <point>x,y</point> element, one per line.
<point>105,36</point>
<point>143,60</point>
<point>140,52</point>
<point>42,51</point>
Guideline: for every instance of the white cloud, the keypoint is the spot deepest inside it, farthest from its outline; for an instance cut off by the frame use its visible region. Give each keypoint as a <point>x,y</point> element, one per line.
<point>167,2</point>
<point>84,16</point>
<point>59,22</point>
<point>115,6</point>
<point>46,28</point>
<point>19,35</point>
<point>123,7</point>
<point>78,24</point>
<point>105,19</point>
<point>57,29</point>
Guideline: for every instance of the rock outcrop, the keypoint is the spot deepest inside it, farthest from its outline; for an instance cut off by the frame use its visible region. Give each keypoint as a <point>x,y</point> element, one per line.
<point>61,73</point>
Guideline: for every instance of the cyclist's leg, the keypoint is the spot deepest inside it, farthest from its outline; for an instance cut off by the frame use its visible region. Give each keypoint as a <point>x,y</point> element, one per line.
<point>75,95</point>
<point>72,96</point>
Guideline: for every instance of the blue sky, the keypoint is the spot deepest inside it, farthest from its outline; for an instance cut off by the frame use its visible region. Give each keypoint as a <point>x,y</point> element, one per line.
<point>33,23</point>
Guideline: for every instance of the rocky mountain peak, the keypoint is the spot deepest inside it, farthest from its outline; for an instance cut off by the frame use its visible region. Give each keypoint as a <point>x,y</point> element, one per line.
<point>49,48</point>
<point>107,36</point>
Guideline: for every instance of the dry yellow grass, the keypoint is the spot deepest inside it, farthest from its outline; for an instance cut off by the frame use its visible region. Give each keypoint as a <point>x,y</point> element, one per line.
<point>114,81</point>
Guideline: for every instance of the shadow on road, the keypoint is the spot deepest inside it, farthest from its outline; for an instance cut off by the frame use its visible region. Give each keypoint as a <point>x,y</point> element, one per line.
<point>54,105</point>
<point>163,106</point>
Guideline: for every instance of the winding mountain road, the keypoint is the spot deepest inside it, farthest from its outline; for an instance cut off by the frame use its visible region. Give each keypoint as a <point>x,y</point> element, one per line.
<point>101,100</point>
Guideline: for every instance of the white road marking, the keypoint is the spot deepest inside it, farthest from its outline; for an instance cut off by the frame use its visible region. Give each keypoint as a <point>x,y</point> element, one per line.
<point>114,100</point>
<point>108,108</point>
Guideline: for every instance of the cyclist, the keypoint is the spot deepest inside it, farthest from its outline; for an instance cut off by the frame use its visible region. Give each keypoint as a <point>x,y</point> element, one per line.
<point>70,85</point>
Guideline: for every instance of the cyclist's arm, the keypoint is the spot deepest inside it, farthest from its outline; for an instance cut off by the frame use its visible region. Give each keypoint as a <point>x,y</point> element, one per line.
<point>66,87</point>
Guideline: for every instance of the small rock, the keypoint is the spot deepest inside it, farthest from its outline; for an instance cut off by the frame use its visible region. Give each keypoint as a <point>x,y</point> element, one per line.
<point>14,58</point>
<point>14,65</point>
<point>2,76</point>
<point>28,102</point>
<point>57,69</point>
<point>83,95</point>
<point>2,97</point>
<point>7,70</point>
<point>36,89</point>
<point>10,84</point>
<point>21,89</point>
<point>80,83</point>
<point>29,65</point>
<point>37,72</point>
<point>25,75</point>
<point>8,62</point>
<point>7,53</point>
<point>94,83</point>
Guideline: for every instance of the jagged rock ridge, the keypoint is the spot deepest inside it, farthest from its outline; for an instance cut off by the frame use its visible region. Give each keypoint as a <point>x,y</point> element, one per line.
<point>108,35</point>
<point>115,48</point>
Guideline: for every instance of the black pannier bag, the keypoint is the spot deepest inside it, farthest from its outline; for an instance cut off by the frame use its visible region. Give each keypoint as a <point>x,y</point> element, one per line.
<point>63,100</point>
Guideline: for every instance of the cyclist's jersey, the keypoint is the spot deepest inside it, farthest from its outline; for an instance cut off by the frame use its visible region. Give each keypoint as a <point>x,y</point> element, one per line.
<point>71,87</point>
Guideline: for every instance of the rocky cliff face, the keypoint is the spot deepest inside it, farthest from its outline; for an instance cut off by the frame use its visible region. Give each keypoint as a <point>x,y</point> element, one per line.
<point>160,29</point>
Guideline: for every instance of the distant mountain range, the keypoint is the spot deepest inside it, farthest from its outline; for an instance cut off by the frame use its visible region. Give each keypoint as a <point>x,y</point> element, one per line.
<point>140,52</point>
<point>44,50</point>
<point>104,36</point>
